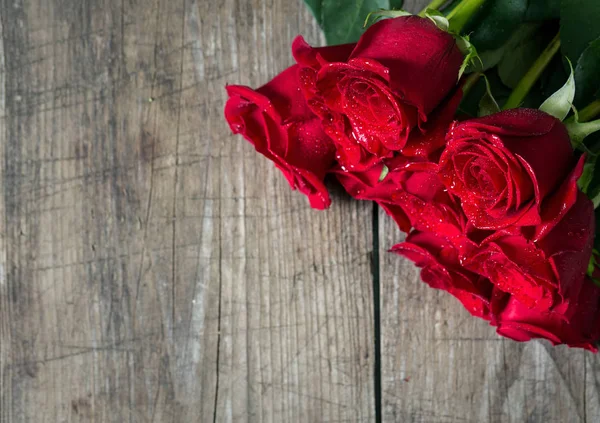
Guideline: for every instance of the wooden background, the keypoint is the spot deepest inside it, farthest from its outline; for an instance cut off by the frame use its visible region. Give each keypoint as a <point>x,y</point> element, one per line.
<point>154,268</point>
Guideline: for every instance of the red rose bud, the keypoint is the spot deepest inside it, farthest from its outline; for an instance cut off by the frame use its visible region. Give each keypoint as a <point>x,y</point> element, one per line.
<point>546,275</point>
<point>411,193</point>
<point>398,73</point>
<point>441,269</point>
<point>277,121</point>
<point>505,165</point>
<point>521,323</point>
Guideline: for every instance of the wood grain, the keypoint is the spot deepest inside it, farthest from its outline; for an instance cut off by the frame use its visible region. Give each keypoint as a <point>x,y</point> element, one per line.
<point>148,272</point>
<point>155,269</point>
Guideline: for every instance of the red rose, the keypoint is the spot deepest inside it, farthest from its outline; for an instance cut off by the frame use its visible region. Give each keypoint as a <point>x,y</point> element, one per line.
<point>441,269</point>
<point>544,275</point>
<point>277,121</point>
<point>398,73</point>
<point>505,165</point>
<point>411,193</point>
<point>580,329</point>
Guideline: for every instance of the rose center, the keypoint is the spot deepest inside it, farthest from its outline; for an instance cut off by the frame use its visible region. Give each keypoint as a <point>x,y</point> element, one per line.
<point>367,104</point>
<point>488,178</point>
<point>480,175</point>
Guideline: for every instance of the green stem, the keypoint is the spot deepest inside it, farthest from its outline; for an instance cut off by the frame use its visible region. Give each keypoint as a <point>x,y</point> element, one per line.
<point>450,6</point>
<point>460,15</point>
<point>532,75</point>
<point>469,82</point>
<point>590,111</point>
<point>435,5</point>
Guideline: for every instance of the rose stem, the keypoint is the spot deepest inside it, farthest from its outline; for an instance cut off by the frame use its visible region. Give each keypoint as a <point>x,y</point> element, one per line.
<point>435,5</point>
<point>460,15</point>
<point>532,75</point>
<point>469,82</point>
<point>590,111</point>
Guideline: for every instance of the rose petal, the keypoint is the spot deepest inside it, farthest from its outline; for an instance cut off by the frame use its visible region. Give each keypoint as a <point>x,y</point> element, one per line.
<point>277,121</point>
<point>438,260</point>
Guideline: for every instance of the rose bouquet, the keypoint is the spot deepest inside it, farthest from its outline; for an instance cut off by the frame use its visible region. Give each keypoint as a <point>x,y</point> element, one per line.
<point>462,123</point>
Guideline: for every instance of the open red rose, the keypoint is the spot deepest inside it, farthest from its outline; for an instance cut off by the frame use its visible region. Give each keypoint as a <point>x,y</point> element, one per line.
<point>411,193</point>
<point>441,269</point>
<point>277,121</point>
<point>505,165</point>
<point>578,326</point>
<point>545,275</point>
<point>398,73</point>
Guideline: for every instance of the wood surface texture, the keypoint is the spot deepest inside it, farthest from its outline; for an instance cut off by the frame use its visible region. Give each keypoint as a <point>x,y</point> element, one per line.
<point>154,268</point>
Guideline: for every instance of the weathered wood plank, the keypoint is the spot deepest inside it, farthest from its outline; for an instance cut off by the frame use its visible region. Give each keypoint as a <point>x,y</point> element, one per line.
<point>5,302</point>
<point>90,262</point>
<point>296,338</point>
<point>156,268</point>
<point>592,388</point>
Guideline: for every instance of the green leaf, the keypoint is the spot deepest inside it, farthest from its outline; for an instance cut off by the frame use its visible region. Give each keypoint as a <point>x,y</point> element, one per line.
<point>587,75</point>
<point>491,58</point>
<point>438,19</point>
<point>315,8</point>
<point>487,104</point>
<point>468,50</point>
<point>384,172</point>
<point>542,10</point>
<point>592,265</point>
<point>578,26</point>
<point>588,173</point>
<point>593,193</point>
<point>596,200</point>
<point>559,104</point>
<point>342,21</point>
<point>520,55</point>
<point>382,14</point>
<point>470,103</point>
<point>496,23</point>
